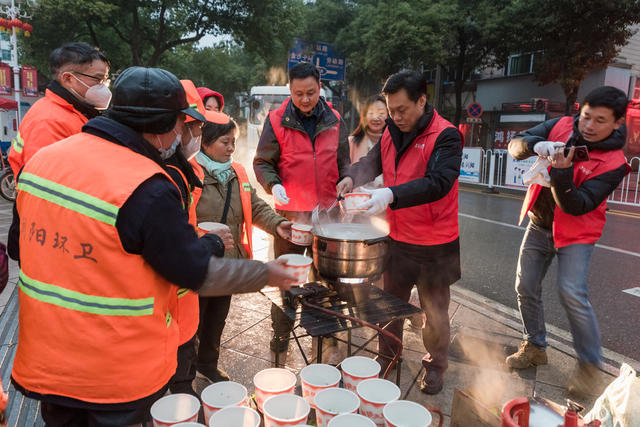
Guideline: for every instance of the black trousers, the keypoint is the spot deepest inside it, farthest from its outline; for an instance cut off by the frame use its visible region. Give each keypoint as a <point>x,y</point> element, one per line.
<point>64,416</point>
<point>186,369</point>
<point>213,316</point>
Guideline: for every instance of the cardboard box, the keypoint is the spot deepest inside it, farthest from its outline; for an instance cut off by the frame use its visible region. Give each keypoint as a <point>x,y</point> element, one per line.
<point>467,410</point>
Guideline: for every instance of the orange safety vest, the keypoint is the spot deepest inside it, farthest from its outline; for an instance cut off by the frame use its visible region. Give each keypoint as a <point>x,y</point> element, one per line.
<point>188,307</point>
<point>49,120</point>
<point>95,321</point>
<point>247,213</point>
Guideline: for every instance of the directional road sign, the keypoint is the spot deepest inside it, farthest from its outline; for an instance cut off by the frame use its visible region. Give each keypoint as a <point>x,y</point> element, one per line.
<point>322,55</point>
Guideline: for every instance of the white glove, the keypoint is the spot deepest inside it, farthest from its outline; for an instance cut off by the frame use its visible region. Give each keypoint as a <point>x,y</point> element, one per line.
<point>547,148</point>
<point>380,199</point>
<point>280,194</point>
<point>538,173</point>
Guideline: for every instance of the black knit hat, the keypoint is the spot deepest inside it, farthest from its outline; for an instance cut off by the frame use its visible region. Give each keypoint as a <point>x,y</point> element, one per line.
<point>149,100</point>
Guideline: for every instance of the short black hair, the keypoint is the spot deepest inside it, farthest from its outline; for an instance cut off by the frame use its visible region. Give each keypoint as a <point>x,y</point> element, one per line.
<point>609,97</point>
<point>412,81</point>
<point>79,53</point>
<point>212,131</point>
<point>302,70</point>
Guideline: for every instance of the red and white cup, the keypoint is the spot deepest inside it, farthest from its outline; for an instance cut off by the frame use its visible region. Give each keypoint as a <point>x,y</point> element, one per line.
<point>400,413</point>
<point>240,416</point>
<point>356,369</point>
<point>272,382</point>
<point>175,409</point>
<point>189,424</point>
<point>301,234</point>
<point>285,410</point>
<point>222,394</point>
<point>334,401</point>
<point>353,201</point>
<point>298,265</point>
<point>374,395</point>
<point>316,377</point>
<point>205,228</point>
<point>351,420</point>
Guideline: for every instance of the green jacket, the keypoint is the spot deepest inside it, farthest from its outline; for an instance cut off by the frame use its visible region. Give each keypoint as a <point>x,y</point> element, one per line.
<point>211,206</point>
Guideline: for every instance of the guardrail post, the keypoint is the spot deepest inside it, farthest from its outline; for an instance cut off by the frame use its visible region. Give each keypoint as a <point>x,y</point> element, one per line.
<point>492,170</point>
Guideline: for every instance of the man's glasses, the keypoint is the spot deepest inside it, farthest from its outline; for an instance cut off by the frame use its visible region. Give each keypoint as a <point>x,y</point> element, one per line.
<point>105,80</point>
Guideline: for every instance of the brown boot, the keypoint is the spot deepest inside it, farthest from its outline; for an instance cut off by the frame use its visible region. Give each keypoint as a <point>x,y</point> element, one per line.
<point>527,355</point>
<point>585,380</point>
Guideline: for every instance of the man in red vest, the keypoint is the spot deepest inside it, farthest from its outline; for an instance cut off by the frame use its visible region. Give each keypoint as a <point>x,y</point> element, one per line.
<point>302,153</point>
<point>419,157</point>
<point>566,218</point>
<point>103,240</point>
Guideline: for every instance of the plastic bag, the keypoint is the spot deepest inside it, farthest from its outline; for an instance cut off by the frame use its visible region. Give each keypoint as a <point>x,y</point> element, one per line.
<point>538,173</point>
<point>619,405</point>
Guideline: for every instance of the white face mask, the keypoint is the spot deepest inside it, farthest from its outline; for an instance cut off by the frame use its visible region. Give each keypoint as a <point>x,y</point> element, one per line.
<point>193,146</point>
<point>98,95</point>
<point>166,153</point>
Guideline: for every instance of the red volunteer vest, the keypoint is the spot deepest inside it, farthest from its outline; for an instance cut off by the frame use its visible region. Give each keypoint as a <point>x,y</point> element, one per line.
<point>95,322</point>
<point>587,228</point>
<point>433,223</point>
<point>304,169</point>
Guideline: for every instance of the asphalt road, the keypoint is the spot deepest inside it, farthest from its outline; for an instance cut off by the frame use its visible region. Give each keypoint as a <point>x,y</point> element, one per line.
<point>490,244</point>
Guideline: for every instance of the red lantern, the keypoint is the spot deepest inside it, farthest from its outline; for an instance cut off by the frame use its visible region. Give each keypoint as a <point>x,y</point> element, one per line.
<point>16,23</point>
<point>4,24</point>
<point>28,29</point>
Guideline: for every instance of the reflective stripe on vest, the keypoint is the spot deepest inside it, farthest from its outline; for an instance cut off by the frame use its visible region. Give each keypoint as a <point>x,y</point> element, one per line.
<point>72,300</point>
<point>69,198</point>
<point>17,143</point>
<point>247,213</point>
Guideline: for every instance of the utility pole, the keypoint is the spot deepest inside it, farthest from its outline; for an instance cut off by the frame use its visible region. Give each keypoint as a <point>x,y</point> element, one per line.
<point>437,92</point>
<point>12,12</point>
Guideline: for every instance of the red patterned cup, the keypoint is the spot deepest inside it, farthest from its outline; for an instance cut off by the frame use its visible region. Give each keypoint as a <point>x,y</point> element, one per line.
<point>271,382</point>
<point>356,369</point>
<point>174,409</point>
<point>316,377</point>
<point>374,395</point>
<point>301,234</point>
<point>334,401</point>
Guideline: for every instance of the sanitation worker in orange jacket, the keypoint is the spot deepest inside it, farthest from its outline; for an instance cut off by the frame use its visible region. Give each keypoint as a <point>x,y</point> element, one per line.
<point>78,90</point>
<point>103,241</point>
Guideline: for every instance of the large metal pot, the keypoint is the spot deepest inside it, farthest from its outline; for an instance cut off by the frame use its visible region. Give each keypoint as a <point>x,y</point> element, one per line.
<point>356,251</point>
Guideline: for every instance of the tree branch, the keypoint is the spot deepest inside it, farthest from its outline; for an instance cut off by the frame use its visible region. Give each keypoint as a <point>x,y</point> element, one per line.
<point>92,33</point>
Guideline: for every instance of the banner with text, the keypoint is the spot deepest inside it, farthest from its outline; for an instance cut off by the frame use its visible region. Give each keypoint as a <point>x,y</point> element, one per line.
<point>5,79</point>
<point>515,169</point>
<point>470,166</point>
<point>29,81</point>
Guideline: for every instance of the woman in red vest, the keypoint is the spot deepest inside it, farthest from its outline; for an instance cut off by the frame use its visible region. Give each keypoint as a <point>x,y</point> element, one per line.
<point>566,219</point>
<point>227,198</point>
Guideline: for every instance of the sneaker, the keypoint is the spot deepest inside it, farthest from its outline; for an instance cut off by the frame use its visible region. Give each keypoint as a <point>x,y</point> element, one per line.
<point>585,380</point>
<point>527,355</point>
<point>432,382</point>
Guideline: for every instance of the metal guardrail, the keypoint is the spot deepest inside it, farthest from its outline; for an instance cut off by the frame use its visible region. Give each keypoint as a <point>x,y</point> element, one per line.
<point>493,171</point>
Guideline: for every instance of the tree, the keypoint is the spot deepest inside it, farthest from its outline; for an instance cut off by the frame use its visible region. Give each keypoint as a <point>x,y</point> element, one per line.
<point>573,38</point>
<point>388,36</point>
<point>148,29</point>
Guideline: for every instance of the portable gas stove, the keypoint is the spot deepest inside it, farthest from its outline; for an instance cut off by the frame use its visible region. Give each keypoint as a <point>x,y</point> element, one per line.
<point>325,307</point>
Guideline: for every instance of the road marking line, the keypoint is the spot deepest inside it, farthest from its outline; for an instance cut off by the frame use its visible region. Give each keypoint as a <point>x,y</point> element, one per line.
<point>512,319</point>
<point>609,248</point>
<point>633,291</point>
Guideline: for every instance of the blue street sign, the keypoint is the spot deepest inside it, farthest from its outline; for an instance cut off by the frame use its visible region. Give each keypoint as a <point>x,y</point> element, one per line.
<point>331,66</point>
<point>474,110</point>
